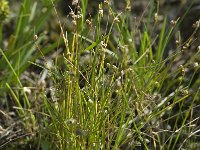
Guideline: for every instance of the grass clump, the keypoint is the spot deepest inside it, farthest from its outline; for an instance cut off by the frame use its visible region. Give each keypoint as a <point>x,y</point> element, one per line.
<point>123,94</point>
<point>115,88</point>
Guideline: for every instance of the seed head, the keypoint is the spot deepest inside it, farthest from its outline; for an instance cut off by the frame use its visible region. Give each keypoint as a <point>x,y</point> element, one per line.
<point>196,64</point>
<point>116,19</point>
<point>156,17</point>
<point>196,24</point>
<point>35,37</point>
<point>88,22</point>
<point>177,42</point>
<point>100,10</point>
<point>173,23</point>
<point>198,48</point>
<point>75,2</point>
<point>108,65</point>
<point>114,67</point>
<point>107,2</point>
<point>74,22</point>
<point>182,70</point>
<point>4,10</point>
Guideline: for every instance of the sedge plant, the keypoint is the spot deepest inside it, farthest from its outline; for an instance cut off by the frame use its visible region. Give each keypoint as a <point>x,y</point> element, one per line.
<point>117,93</point>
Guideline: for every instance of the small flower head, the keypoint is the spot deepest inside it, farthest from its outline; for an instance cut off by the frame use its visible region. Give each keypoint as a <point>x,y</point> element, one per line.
<point>198,48</point>
<point>173,22</point>
<point>75,2</point>
<point>72,14</point>
<point>177,42</point>
<point>114,67</point>
<point>35,37</point>
<point>4,10</point>
<point>156,17</point>
<point>116,19</point>
<point>74,22</point>
<point>108,65</point>
<point>100,10</point>
<point>88,22</point>
<point>197,24</point>
<point>196,64</point>
<point>107,2</point>
<point>128,6</point>
<point>182,69</point>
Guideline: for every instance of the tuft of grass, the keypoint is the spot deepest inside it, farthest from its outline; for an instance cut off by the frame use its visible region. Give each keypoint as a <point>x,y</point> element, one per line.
<point>125,98</point>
